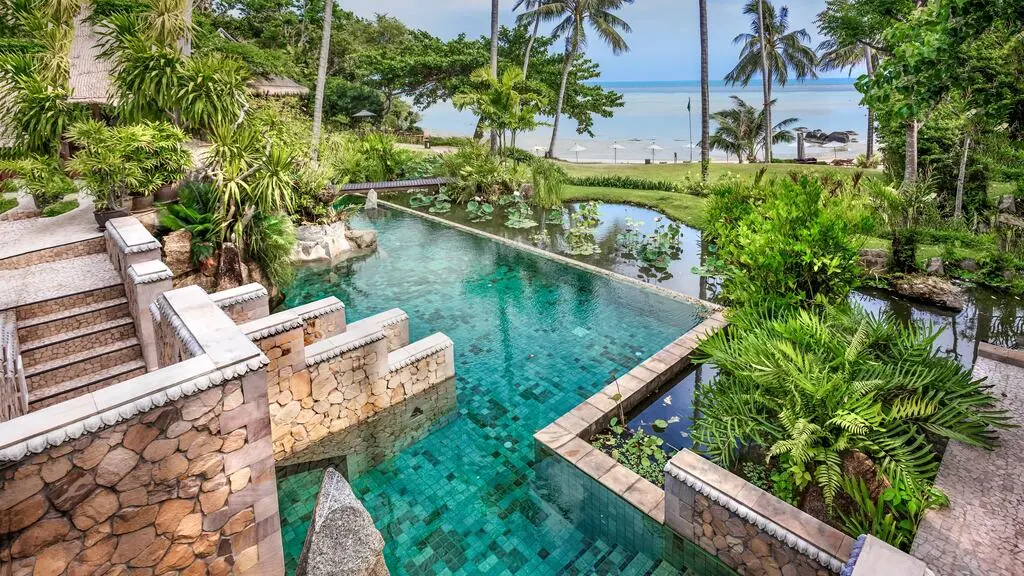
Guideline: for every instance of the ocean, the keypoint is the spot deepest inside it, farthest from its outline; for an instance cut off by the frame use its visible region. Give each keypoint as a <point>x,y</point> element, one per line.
<point>655,112</point>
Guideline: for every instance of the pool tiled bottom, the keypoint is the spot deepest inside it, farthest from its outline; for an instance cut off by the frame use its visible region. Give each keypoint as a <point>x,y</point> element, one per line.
<point>533,338</point>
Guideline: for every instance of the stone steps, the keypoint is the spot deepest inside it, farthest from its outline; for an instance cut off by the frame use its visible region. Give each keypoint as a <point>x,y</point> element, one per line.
<point>82,364</point>
<point>71,319</point>
<point>35,352</point>
<point>50,395</point>
<point>63,304</point>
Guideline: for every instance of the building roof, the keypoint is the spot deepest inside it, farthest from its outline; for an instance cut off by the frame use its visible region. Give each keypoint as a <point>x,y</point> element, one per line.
<point>277,86</point>
<point>90,74</point>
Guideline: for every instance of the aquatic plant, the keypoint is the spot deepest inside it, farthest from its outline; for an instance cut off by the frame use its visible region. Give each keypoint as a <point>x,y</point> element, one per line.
<point>479,211</point>
<point>520,215</point>
<point>657,249</point>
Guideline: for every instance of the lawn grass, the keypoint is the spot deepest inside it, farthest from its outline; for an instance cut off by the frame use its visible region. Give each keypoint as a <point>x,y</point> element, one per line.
<point>681,207</point>
<point>675,172</point>
<point>7,203</point>
<point>58,208</point>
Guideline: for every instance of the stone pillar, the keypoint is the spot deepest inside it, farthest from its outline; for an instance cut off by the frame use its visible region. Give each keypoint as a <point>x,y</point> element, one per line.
<point>147,281</point>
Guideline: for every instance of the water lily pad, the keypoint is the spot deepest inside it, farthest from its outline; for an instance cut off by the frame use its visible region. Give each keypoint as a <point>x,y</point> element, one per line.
<point>659,425</point>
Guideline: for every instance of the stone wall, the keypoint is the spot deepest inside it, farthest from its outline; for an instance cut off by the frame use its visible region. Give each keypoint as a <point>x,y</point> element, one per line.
<point>243,304</point>
<point>73,250</point>
<point>187,488</point>
<point>749,529</point>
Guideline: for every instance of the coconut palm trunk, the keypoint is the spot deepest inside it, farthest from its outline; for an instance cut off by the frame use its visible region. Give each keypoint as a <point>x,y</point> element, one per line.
<point>910,161</point>
<point>958,208</point>
<point>321,80</point>
<point>870,65</point>
<point>529,46</point>
<point>570,56</point>
<point>705,93</point>
<point>766,81</point>
<point>494,59</point>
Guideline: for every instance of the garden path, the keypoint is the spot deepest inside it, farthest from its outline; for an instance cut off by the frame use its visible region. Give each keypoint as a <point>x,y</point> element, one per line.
<point>982,531</point>
<point>23,236</point>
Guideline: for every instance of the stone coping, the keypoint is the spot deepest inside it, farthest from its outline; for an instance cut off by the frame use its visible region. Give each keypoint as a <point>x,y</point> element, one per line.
<point>356,336</point>
<point>799,530</point>
<point>232,296</point>
<point>318,308</point>
<point>386,318</point>
<point>702,305</point>
<point>204,328</point>
<point>1000,354</point>
<point>51,426</point>
<point>878,558</point>
<point>418,350</point>
<point>569,435</point>
<point>149,271</point>
<point>272,325</point>
<point>131,236</point>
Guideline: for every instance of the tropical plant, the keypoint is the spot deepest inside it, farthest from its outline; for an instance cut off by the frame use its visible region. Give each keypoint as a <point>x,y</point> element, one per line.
<point>532,20</point>
<point>383,159</point>
<point>479,173</point>
<point>657,249</point>
<point>573,17</point>
<point>197,211</point>
<point>504,104</point>
<point>519,215</point>
<point>548,179</point>
<point>783,51</point>
<point>740,130</point>
<point>269,239</point>
<point>442,203</point>
<point>705,93</point>
<point>781,241</point>
<point>640,452</point>
<point>627,182</point>
<point>901,211</point>
<point>817,386</point>
<point>37,110</point>
<point>42,178</point>
<point>893,515</point>
<point>479,211</point>
<point>211,92</point>
<point>58,208</point>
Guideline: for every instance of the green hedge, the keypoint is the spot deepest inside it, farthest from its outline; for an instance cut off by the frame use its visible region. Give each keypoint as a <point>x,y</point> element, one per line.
<point>627,182</point>
<point>58,208</point>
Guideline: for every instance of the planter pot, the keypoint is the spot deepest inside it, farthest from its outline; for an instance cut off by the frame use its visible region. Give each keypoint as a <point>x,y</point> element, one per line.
<point>103,215</point>
<point>140,203</point>
<point>167,193</point>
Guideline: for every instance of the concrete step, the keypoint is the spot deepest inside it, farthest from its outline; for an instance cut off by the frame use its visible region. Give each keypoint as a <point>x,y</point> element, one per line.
<point>71,319</point>
<point>35,352</point>
<point>50,395</point>
<point>81,364</point>
<point>72,301</point>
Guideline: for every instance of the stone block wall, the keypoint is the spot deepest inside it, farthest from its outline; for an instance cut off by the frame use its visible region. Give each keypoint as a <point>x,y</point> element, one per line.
<point>73,250</point>
<point>186,488</point>
<point>750,530</point>
<point>243,304</point>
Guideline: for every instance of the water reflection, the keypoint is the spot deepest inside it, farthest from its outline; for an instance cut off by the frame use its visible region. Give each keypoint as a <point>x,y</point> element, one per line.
<point>989,316</point>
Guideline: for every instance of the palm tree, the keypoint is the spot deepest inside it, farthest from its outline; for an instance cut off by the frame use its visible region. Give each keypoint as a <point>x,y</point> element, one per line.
<point>494,59</point>
<point>838,56</point>
<point>741,130</point>
<point>573,17</point>
<point>786,51</point>
<point>321,79</point>
<point>705,93</point>
<point>529,5</point>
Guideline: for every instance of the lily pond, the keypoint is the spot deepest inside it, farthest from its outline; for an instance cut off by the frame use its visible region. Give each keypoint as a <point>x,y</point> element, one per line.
<point>469,492</point>
<point>989,316</point>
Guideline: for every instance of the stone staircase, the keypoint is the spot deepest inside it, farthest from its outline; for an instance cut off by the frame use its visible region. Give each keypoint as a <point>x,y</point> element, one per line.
<point>76,344</point>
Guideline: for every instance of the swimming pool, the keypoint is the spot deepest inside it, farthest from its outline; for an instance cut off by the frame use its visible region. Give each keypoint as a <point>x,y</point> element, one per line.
<point>533,338</point>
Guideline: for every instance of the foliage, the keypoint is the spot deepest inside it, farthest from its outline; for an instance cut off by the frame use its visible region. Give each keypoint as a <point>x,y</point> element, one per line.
<point>479,173</point>
<point>442,203</point>
<point>862,161</point>
<point>580,235</point>
<point>197,211</point>
<point>131,159</point>
<point>42,178</point>
<point>626,182</point>
<point>548,179</point>
<point>786,50</point>
<point>638,451</point>
<point>38,109</point>
<point>815,385</point>
<point>479,211</point>
<point>58,208</point>
<point>309,205</point>
<point>211,92</point>
<point>657,249</point>
<point>269,241</point>
<point>740,130</point>
<point>505,104</point>
<point>901,211</point>
<point>781,241</point>
<point>520,215</point>
<point>6,204</point>
<point>587,214</point>
<point>383,160</point>
<point>893,515</point>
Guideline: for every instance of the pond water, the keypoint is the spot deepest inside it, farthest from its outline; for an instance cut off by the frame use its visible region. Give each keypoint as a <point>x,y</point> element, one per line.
<point>533,338</point>
<point>989,316</point>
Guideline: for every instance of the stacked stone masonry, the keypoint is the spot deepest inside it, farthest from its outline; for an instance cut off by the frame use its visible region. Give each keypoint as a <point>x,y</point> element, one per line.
<point>187,488</point>
<point>73,250</point>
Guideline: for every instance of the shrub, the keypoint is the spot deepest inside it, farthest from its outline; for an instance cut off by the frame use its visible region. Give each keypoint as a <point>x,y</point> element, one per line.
<point>627,182</point>
<point>477,172</point>
<point>6,204</point>
<point>58,208</point>
<point>42,178</point>
<point>818,386</point>
<point>781,241</point>
<point>197,211</point>
<point>452,141</point>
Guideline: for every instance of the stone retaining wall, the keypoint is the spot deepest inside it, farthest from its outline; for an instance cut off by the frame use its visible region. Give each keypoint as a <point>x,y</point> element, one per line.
<point>186,488</point>
<point>747,528</point>
<point>243,304</point>
<point>73,250</point>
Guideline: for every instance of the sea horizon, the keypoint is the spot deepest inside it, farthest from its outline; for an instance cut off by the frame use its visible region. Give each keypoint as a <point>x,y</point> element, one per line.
<point>655,113</point>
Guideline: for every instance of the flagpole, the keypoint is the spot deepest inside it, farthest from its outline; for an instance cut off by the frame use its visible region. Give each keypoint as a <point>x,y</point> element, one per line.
<point>689,111</point>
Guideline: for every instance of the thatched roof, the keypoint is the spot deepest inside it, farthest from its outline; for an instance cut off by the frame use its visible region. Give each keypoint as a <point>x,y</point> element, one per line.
<point>277,86</point>
<point>90,74</point>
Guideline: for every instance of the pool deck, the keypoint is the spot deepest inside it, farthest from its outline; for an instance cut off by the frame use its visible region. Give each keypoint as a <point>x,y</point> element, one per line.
<point>982,531</point>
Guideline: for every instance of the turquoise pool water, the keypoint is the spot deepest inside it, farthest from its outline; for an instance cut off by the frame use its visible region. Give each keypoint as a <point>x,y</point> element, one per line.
<point>533,338</point>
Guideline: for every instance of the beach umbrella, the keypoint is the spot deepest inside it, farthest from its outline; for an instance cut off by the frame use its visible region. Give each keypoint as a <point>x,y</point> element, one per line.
<point>654,148</point>
<point>835,146</point>
<point>616,147</point>
<point>363,114</point>
<point>539,148</point>
<point>577,149</point>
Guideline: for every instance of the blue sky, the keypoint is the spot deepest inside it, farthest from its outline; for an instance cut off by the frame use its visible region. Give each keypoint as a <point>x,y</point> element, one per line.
<point>664,43</point>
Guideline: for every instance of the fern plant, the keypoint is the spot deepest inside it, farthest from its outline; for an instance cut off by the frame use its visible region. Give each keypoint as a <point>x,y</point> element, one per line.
<point>814,385</point>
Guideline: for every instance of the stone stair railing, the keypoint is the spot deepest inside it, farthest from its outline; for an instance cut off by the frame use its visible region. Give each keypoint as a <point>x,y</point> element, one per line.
<point>13,392</point>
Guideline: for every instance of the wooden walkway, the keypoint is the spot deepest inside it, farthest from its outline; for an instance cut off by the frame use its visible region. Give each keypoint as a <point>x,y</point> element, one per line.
<point>396,185</point>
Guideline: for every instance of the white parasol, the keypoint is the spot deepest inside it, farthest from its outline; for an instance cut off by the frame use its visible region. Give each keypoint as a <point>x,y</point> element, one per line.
<point>577,149</point>
<point>616,147</point>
